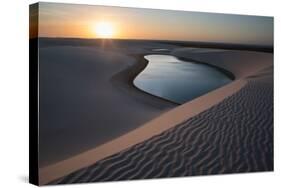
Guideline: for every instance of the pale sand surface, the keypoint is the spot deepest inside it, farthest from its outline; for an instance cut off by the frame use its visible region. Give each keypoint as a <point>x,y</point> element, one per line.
<point>241,63</point>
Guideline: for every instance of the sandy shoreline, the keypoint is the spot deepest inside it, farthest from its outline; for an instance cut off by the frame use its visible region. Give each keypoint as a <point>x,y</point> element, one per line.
<point>124,81</point>
<point>169,119</point>
<point>249,62</point>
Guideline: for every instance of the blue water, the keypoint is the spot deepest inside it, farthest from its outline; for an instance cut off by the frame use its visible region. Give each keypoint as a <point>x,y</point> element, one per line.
<point>179,81</point>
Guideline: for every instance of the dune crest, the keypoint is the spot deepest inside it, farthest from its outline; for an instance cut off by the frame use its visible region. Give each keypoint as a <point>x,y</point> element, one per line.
<point>182,116</point>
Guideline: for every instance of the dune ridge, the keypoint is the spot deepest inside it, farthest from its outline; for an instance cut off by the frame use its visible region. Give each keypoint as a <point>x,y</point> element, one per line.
<point>197,115</point>
<point>230,137</point>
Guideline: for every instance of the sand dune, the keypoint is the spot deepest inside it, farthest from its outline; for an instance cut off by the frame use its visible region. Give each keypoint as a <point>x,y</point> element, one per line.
<point>84,86</point>
<point>240,63</point>
<point>232,136</point>
<point>146,131</point>
<point>220,132</point>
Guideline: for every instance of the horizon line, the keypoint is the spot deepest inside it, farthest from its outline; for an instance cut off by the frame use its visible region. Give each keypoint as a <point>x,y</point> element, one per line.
<point>164,40</point>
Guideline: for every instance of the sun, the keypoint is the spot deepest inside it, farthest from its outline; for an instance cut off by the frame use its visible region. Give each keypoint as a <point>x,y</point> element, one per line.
<point>104,29</point>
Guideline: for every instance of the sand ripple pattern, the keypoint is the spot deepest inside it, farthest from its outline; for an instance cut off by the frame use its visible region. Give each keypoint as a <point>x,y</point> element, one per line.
<point>234,136</point>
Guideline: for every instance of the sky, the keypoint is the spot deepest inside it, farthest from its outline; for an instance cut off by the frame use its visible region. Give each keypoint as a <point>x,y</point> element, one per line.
<point>89,21</point>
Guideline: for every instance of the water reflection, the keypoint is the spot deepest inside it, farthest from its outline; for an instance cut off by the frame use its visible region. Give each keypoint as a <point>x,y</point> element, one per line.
<point>178,81</point>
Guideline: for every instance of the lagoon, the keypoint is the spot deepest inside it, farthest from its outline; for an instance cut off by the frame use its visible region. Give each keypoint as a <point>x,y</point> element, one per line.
<point>178,81</point>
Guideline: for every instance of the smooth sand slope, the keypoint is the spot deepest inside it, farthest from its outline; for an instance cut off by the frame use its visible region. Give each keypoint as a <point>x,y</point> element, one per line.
<point>87,98</point>
<point>224,131</point>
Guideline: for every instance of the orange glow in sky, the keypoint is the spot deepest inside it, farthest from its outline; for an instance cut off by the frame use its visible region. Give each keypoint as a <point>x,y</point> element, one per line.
<point>86,21</point>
